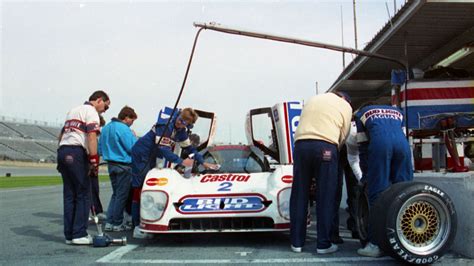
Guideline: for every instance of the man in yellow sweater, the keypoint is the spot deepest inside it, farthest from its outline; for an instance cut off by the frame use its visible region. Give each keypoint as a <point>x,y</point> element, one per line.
<point>324,124</point>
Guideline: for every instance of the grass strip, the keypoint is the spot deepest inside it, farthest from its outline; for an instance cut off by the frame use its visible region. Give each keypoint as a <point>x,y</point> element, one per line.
<point>36,181</point>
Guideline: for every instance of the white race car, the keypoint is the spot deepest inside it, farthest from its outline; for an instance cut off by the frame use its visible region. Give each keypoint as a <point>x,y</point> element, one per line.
<point>250,191</point>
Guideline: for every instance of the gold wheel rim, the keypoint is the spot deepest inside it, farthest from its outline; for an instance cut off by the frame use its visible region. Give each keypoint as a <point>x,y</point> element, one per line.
<point>420,223</point>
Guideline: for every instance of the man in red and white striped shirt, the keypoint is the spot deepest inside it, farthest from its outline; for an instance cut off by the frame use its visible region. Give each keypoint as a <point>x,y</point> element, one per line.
<point>77,160</point>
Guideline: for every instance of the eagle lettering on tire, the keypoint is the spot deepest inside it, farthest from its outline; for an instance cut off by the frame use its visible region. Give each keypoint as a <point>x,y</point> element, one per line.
<point>414,222</point>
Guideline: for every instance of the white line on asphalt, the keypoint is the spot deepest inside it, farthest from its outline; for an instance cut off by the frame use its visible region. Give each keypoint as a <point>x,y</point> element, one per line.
<point>240,261</point>
<point>115,255</point>
<point>30,188</point>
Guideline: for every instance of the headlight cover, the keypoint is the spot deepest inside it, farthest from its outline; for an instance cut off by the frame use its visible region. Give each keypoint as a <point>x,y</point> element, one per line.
<point>284,203</point>
<point>153,205</point>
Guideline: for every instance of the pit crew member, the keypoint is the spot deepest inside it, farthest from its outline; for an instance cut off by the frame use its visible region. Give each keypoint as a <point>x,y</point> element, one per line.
<point>380,133</point>
<point>323,126</point>
<point>115,146</point>
<point>146,150</point>
<point>77,155</point>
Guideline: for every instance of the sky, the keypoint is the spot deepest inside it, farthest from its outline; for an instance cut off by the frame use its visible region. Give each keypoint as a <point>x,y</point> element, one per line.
<point>54,54</point>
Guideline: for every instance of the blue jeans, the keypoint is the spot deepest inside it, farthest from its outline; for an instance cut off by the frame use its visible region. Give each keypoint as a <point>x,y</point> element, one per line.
<point>121,178</point>
<point>74,166</point>
<point>313,159</point>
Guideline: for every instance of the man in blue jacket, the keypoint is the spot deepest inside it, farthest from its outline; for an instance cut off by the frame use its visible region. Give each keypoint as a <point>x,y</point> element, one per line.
<point>147,149</point>
<point>388,157</point>
<point>115,146</point>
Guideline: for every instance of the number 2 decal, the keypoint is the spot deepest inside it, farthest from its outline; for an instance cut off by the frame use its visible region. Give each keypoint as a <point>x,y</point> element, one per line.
<point>225,186</point>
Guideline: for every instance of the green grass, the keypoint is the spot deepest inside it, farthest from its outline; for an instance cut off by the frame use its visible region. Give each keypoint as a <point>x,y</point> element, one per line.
<point>35,181</point>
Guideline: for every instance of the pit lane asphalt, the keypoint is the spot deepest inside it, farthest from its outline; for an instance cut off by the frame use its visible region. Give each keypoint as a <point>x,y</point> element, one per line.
<point>32,225</point>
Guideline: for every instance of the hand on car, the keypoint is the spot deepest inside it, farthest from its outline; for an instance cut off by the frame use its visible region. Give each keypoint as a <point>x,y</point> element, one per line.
<point>211,166</point>
<point>188,162</point>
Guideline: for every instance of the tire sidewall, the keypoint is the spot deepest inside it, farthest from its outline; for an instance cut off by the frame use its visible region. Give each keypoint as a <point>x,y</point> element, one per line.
<point>391,237</point>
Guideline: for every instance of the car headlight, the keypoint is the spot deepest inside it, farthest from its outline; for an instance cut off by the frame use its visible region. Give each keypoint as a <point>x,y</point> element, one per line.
<point>153,205</point>
<point>284,203</point>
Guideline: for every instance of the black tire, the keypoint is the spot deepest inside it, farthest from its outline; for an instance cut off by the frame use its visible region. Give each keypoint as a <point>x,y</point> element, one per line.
<point>414,222</point>
<point>361,214</point>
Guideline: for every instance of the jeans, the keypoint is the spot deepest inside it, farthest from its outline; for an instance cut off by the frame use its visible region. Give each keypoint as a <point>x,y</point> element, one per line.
<point>121,178</point>
<point>74,166</point>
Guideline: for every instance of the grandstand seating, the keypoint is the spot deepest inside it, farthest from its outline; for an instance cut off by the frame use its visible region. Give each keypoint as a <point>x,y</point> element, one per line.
<point>28,142</point>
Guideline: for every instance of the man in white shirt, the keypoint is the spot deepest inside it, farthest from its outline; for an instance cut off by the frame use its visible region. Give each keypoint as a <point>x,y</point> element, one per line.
<point>77,160</point>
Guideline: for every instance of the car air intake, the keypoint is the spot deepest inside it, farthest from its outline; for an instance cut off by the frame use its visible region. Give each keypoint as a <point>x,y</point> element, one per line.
<point>228,223</point>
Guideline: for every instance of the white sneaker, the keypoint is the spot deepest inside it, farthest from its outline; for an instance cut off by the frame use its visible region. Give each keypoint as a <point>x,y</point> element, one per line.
<point>86,240</point>
<point>68,242</point>
<point>137,233</point>
<point>108,227</point>
<point>296,249</point>
<point>122,227</point>
<point>333,248</point>
<point>370,250</point>
<point>127,219</point>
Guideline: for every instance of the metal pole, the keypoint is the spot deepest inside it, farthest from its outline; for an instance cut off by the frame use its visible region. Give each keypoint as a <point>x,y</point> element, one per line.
<point>355,23</point>
<point>388,13</point>
<point>317,88</point>
<point>266,36</point>
<point>342,38</point>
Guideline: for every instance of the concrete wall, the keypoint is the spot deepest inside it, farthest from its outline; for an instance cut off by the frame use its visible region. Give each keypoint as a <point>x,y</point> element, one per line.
<point>460,188</point>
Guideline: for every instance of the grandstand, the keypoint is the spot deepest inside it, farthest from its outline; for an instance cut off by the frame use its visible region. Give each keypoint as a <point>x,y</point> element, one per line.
<point>28,140</point>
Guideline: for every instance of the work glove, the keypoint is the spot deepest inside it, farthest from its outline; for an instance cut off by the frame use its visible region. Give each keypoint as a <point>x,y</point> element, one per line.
<point>94,165</point>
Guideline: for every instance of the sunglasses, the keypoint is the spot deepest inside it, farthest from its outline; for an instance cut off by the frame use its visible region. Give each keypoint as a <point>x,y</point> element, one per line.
<point>106,106</point>
<point>182,121</point>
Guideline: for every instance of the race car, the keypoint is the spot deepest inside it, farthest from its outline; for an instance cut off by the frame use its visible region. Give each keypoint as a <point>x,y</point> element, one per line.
<point>249,192</point>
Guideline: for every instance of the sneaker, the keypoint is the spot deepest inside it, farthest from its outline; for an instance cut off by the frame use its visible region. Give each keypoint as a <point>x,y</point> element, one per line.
<point>137,233</point>
<point>331,249</point>
<point>120,228</point>
<point>296,249</point>
<point>370,250</point>
<point>127,219</point>
<point>86,240</point>
<point>108,227</point>
<point>68,242</point>
<point>102,216</point>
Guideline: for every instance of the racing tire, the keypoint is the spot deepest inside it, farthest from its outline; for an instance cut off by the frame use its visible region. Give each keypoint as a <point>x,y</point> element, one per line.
<point>361,214</point>
<point>414,222</point>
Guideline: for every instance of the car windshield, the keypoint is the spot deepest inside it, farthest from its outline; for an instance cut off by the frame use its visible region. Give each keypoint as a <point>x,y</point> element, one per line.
<point>233,159</point>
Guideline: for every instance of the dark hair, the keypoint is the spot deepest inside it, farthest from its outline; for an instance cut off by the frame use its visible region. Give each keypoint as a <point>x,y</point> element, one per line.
<point>127,111</point>
<point>99,94</point>
<point>343,95</point>
<point>102,121</point>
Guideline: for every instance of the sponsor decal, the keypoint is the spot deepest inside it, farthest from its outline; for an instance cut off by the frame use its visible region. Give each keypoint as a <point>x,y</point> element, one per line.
<point>165,141</point>
<point>287,179</point>
<point>292,115</point>
<point>275,115</point>
<point>162,181</point>
<point>327,155</point>
<point>225,178</point>
<point>221,204</point>
<point>381,113</point>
